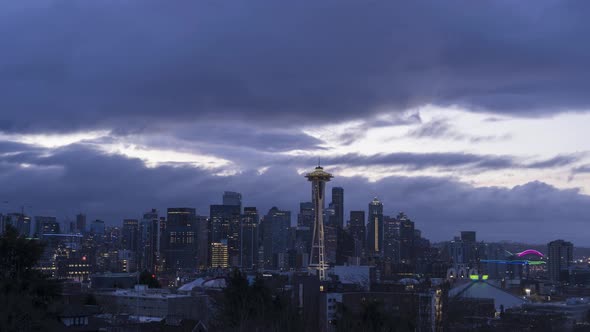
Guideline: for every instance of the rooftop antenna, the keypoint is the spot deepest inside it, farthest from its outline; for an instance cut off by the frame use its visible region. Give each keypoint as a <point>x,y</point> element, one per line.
<point>319,162</point>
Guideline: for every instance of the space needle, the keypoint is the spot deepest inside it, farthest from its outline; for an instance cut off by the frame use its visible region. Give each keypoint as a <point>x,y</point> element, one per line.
<point>317,258</point>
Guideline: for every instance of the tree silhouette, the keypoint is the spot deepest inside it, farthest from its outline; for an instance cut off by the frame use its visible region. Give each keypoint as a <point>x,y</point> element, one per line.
<point>256,307</point>
<point>25,293</point>
<point>149,279</point>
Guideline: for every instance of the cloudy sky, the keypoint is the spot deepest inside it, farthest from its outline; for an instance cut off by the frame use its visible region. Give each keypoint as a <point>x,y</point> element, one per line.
<point>467,115</point>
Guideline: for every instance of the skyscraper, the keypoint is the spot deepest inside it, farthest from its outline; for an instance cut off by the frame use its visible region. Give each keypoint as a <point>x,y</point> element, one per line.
<point>561,256</point>
<point>406,239</point>
<point>276,225</point>
<point>225,225</point>
<point>150,241</point>
<point>303,233</point>
<point>391,239</point>
<point>46,225</point>
<point>375,228</point>
<point>249,238</point>
<point>130,234</point>
<point>338,206</point>
<point>202,229</point>
<point>97,227</point>
<point>181,239</point>
<point>356,228</point>
<point>219,256</point>
<point>232,198</point>
<point>81,223</point>
<point>306,215</point>
<point>317,259</point>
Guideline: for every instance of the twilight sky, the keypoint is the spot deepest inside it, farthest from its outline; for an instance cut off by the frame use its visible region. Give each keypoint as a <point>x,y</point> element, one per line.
<point>466,115</point>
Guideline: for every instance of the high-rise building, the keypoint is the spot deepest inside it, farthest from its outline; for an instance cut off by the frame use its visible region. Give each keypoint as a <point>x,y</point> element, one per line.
<point>305,215</point>
<point>470,252</point>
<point>338,206</point>
<point>225,225</point>
<point>391,239</point>
<point>276,226</point>
<point>202,229</point>
<point>249,238</point>
<point>375,228</point>
<point>130,234</point>
<point>303,233</point>
<point>150,241</point>
<point>81,223</point>
<point>406,239</point>
<point>468,236</point>
<point>317,258</point>
<point>561,256</point>
<point>181,239</point>
<point>46,225</point>
<point>232,198</point>
<point>345,249</point>
<point>356,228</point>
<point>97,227</point>
<point>219,256</point>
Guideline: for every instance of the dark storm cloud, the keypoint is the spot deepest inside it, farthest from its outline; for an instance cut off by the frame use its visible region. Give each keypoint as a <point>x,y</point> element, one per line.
<point>415,161</point>
<point>112,187</point>
<point>270,139</point>
<point>582,169</point>
<point>68,65</point>
<point>557,161</point>
<point>442,128</point>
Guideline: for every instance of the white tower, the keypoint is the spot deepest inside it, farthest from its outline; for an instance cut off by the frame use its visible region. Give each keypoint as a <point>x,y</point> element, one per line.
<point>317,260</point>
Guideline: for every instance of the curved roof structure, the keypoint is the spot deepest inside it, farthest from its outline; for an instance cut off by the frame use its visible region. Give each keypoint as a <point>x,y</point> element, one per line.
<point>530,252</point>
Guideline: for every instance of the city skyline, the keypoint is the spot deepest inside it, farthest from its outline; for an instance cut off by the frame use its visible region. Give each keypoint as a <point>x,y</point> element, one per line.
<point>460,121</point>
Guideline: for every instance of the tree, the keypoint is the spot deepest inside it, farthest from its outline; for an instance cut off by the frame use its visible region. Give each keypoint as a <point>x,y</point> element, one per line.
<point>256,307</point>
<point>149,279</point>
<point>25,293</point>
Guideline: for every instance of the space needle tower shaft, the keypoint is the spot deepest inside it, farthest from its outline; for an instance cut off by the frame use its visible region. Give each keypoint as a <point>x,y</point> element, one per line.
<point>317,257</point>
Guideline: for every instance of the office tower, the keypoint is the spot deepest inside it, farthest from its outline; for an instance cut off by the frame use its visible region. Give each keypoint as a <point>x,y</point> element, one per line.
<point>338,206</point>
<point>181,239</point>
<point>406,239</point>
<point>150,241</point>
<point>356,228</point>
<point>232,198</point>
<point>391,239</point>
<point>345,248</point>
<point>468,236</point>
<point>561,256</point>
<point>317,259</point>
<point>276,226</point>
<point>219,255</point>
<point>46,225</point>
<point>331,243</point>
<point>329,216</point>
<point>202,229</point>
<point>303,233</point>
<point>375,228</point>
<point>470,255</point>
<point>225,225</point>
<point>130,234</point>
<point>305,215</point>
<point>97,227</point>
<point>81,223</point>
<point>249,238</point>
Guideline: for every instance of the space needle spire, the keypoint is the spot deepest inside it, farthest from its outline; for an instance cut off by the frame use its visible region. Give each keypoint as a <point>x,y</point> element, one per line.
<point>317,257</point>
